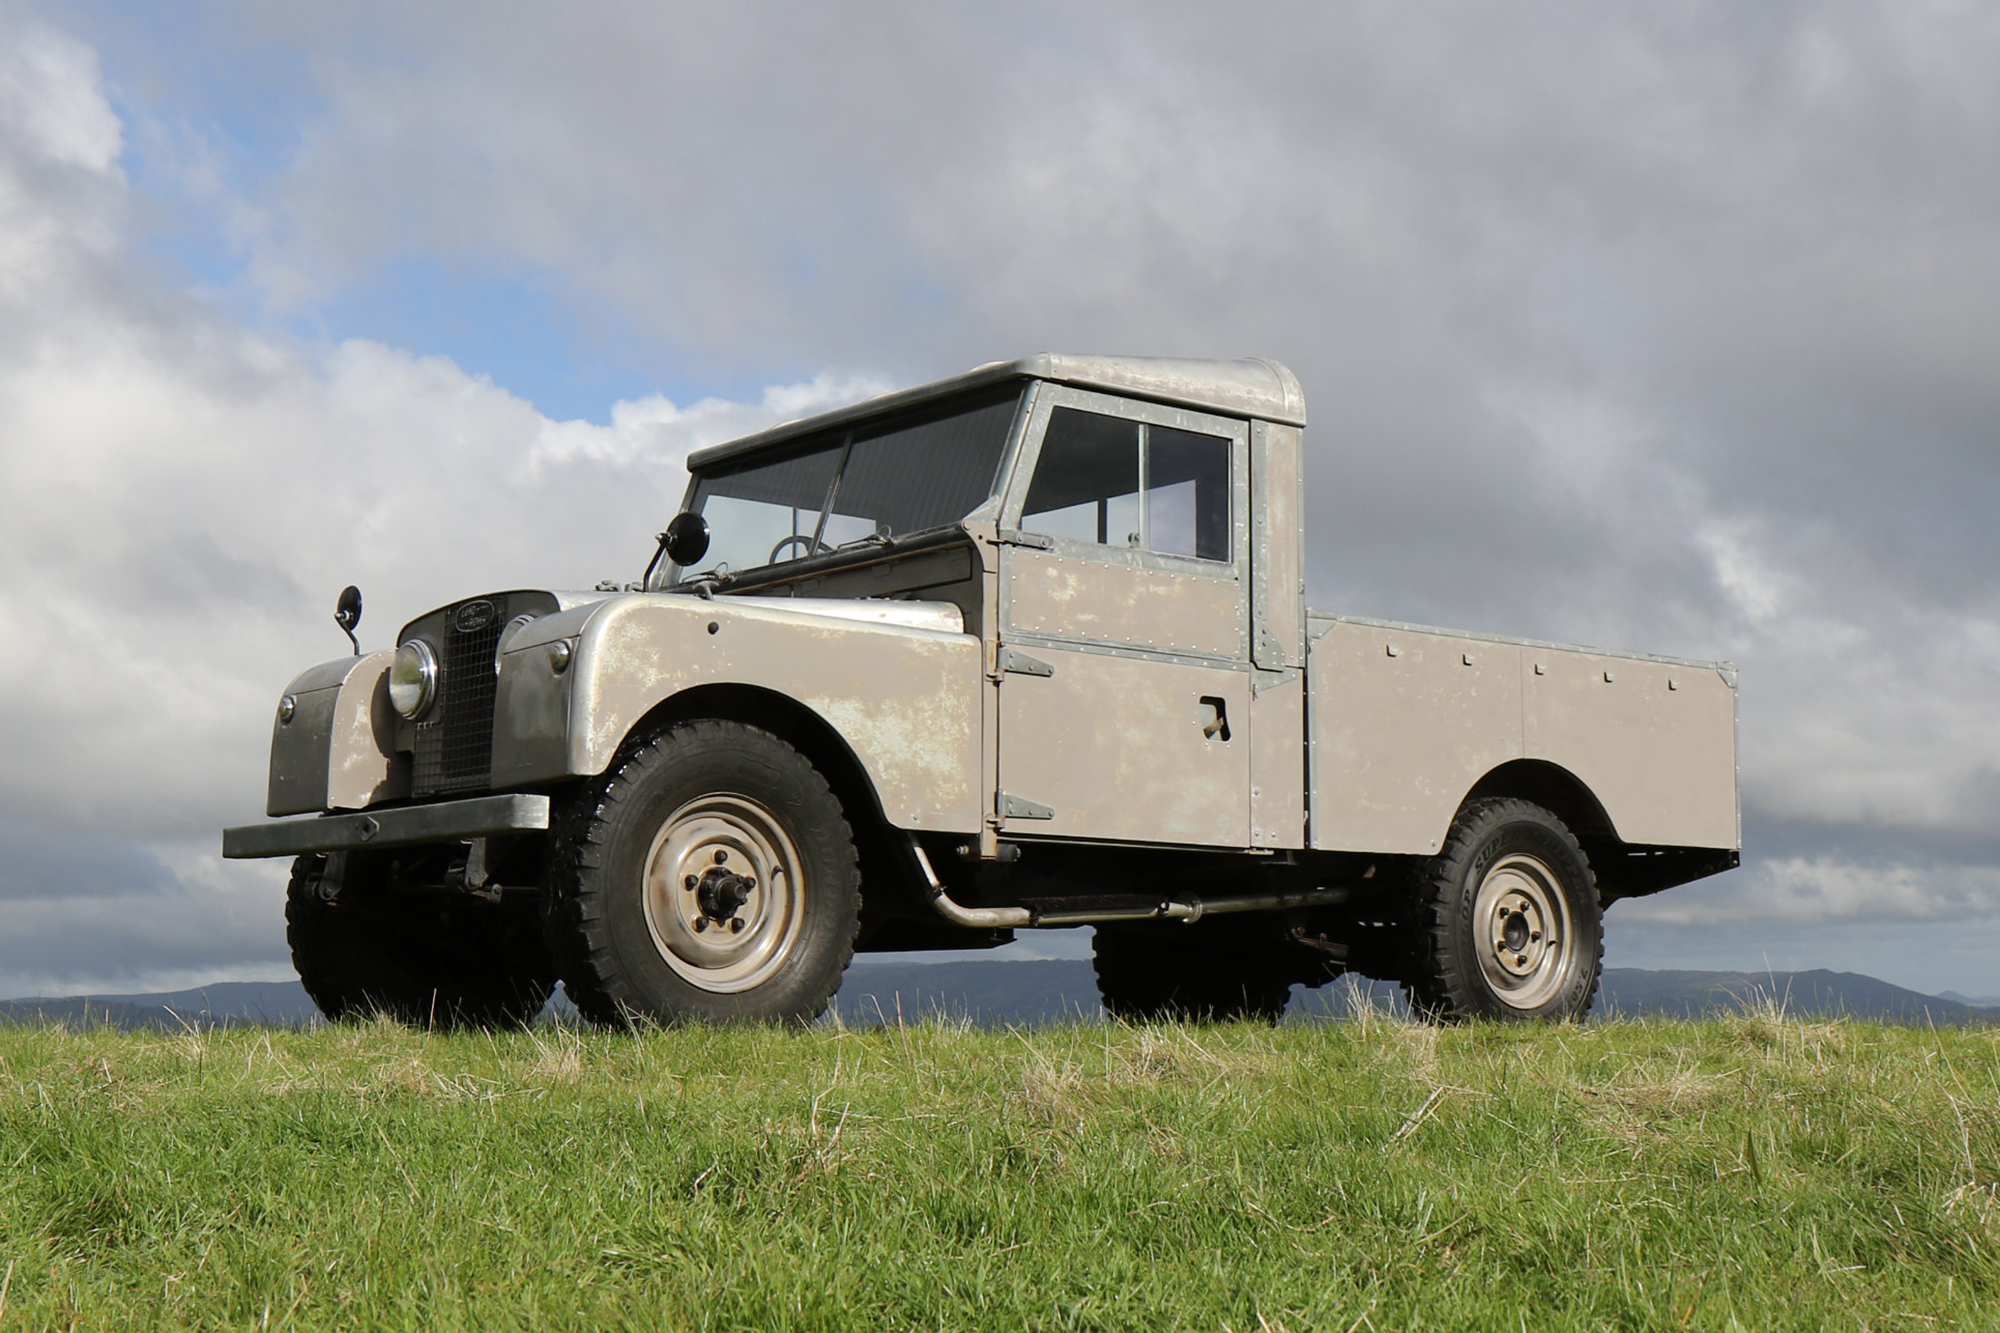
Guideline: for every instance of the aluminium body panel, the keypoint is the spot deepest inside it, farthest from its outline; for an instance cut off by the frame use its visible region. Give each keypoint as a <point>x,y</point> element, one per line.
<point>1125,748</point>
<point>1406,719</point>
<point>1654,741</point>
<point>1403,725</point>
<point>904,698</point>
<point>1277,759</point>
<point>1277,610</point>
<point>338,750</point>
<point>1066,595</point>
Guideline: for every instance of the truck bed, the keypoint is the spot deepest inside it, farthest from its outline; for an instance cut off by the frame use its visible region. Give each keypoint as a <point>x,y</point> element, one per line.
<point>1405,720</point>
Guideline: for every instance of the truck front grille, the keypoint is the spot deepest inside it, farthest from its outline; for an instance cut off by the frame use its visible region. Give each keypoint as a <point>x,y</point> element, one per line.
<point>454,750</point>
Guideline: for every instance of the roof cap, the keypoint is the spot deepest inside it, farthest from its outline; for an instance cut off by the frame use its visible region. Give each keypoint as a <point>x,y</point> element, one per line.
<point>1267,390</point>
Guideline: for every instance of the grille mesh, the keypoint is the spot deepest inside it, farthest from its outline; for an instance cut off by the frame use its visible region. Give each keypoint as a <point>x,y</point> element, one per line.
<point>454,750</point>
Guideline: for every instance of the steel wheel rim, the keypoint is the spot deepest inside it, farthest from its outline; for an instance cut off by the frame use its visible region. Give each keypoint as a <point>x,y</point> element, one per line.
<point>717,954</point>
<point>1522,931</point>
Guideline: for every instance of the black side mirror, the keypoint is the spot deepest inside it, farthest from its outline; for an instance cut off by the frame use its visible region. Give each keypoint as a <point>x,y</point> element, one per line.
<point>687,538</point>
<point>347,614</point>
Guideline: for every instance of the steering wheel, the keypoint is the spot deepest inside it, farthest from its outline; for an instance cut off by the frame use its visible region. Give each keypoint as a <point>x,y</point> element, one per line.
<point>813,546</point>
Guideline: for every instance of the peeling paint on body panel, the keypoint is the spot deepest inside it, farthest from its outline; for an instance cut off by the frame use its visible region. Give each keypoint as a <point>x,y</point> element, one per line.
<point>338,751</point>
<point>905,699</point>
<point>1116,746</point>
<point>1122,604</point>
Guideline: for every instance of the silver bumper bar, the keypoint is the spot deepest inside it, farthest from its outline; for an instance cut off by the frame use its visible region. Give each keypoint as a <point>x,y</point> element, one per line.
<point>402,826</point>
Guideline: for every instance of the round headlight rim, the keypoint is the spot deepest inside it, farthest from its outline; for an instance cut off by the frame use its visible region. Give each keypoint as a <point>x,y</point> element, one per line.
<point>423,679</point>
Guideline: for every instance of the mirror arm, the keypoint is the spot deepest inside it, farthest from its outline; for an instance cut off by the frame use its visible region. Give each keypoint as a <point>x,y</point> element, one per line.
<point>646,579</point>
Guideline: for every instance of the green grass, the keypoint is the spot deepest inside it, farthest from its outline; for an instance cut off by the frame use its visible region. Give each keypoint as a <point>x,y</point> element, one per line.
<point>1760,1172</point>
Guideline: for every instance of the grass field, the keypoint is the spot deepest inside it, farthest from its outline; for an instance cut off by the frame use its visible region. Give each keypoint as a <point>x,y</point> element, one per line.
<point>1757,1172</point>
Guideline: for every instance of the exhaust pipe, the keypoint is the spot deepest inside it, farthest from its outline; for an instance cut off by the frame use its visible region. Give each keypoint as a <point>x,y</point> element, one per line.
<point>1189,909</point>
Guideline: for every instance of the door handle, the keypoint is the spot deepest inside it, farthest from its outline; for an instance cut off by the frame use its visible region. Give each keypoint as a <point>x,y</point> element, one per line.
<point>1215,718</point>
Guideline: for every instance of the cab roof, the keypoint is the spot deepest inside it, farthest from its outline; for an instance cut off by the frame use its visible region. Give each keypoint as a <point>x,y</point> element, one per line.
<point>1267,390</point>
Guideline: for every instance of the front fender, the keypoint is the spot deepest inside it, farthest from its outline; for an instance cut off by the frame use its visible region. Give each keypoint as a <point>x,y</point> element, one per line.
<point>905,698</point>
<point>338,751</point>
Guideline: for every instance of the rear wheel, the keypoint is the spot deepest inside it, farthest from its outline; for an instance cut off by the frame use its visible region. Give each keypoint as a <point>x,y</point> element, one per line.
<point>712,877</point>
<point>1508,924</point>
<point>361,950</point>
<point>1211,971</point>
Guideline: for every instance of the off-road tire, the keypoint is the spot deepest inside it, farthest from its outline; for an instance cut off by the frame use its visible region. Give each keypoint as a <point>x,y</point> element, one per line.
<point>622,922</point>
<point>1503,852</point>
<point>1214,971</point>
<point>361,951</point>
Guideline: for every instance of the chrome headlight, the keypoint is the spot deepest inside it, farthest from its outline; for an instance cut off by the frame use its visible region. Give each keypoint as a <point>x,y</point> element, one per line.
<point>413,678</point>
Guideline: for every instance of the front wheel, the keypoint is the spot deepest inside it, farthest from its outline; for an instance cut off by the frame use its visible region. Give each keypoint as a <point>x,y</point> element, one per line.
<point>362,949</point>
<point>711,877</point>
<point>1508,924</point>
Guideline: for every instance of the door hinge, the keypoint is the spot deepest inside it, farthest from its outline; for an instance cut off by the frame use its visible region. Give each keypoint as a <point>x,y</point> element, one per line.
<point>1013,659</point>
<point>1018,807</point>
<point>1033,540</point>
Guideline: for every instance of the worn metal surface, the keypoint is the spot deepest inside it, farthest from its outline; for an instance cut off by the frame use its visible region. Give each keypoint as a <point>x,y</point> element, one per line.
<point>1655,740</point>
<point>905,699</point>
<point>338,751</point>
<point>1247,388</point>
<point>1074,596</point>
<point>1404,725</point>
<point>943,617</point>
<point>1277,759</point>
<point>398,826</point>
<point>1277,603</point>
<point>1123,749</point>
<point>1406,720</point>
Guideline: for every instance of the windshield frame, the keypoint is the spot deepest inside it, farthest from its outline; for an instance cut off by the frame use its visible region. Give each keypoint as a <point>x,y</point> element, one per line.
<point>842,441</point>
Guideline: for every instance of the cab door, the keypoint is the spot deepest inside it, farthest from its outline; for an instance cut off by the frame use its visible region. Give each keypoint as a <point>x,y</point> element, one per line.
<point>1124,671</point>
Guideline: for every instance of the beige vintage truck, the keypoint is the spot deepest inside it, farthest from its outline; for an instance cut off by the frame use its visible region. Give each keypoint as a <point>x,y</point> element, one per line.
<point>1023,649</point>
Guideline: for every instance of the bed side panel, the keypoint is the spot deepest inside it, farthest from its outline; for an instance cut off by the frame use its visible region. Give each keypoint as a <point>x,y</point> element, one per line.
<point>1655,742</point>
<point>1404,723</point>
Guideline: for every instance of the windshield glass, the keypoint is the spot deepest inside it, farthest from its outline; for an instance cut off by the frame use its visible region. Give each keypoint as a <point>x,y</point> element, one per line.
<point>884,479</point>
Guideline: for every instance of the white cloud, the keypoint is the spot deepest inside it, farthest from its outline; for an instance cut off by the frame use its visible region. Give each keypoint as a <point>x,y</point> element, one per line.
<point>1801,889</point>
<point>182,498</point>
<point>1663,335</point>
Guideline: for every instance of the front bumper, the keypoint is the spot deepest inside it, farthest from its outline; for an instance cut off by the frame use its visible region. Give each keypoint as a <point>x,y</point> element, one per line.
<point>402,826</point>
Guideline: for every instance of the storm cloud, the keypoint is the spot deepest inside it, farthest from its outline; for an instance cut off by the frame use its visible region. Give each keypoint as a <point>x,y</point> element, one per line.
<point>1663,327</point>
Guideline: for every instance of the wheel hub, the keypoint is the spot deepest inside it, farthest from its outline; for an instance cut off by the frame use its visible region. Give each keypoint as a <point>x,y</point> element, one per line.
<point>719,893</point>
<point>1521,920</point>
<point>724,893</point>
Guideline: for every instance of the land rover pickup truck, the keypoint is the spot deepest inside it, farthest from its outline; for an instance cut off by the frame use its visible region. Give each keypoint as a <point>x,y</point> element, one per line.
<point>1020,650</point>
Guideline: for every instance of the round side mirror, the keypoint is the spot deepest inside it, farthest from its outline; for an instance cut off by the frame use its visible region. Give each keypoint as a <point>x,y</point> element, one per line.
<point>687,538</point>
<point>347,614</point>
<point>347,611</point>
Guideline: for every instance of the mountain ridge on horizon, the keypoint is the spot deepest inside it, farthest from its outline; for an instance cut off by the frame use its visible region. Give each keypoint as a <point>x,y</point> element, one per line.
<point>1033,992</point>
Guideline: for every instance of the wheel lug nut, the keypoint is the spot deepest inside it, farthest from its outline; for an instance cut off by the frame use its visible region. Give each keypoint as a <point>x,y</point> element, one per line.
<point>700,924</point>
<point>689,883</point>
<point>1535,935</point>
<point>720,856</point>
<point>736,925</point>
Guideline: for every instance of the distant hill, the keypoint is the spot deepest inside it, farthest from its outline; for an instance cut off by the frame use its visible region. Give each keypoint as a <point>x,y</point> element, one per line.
<point>992,992</point>
<point>228,1003</point>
